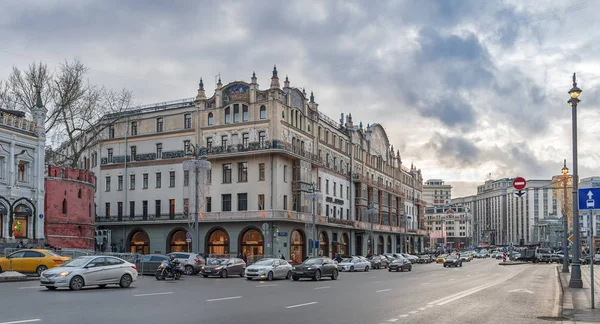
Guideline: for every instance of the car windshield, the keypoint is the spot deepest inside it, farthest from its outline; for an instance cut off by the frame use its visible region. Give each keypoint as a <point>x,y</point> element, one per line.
<point>218,261</point>
<point>347,260</point>
<point>76,263</point>
<point>313,261</point>
<point>264,262</point>
<point>452,257</point>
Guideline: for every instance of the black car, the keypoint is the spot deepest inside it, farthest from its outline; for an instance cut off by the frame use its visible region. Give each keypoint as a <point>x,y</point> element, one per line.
<point>453,261</point>
<point>399,265</point>
<point>224,267</point>
<point>378,262</point>
<point>315,268</point>
<point>424,259</point>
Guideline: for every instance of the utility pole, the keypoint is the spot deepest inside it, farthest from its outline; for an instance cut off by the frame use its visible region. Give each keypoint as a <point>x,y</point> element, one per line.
<point>314,195</point>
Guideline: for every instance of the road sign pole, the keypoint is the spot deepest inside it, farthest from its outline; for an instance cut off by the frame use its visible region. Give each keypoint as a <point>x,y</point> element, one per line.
<point>592,251</point>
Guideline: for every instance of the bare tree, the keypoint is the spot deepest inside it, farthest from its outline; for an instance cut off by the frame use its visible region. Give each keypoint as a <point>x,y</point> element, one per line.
<point>76,108</point>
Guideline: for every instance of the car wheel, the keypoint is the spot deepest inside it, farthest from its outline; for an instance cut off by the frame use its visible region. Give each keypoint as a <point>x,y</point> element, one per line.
<point>335,274</point>
<point>206,276</point>
<point>389,270</point>
<point>125,281</point>
<point>0,269</point>
<point>76,283</point>
<point>351,268</point>
<point>249,278</point>
<point>295,278</point>
<point>460,265</point>
<point>317,276</point>
<point>410,268</point>
<point>188,270</point>
<point>41,269</point>
<point>177,275</point>
<point>367,269</point>
<point>224,274</point>
<point>50,288</point>
<point>289,274</point>
<point>270,276</point>
<point>102,286</point>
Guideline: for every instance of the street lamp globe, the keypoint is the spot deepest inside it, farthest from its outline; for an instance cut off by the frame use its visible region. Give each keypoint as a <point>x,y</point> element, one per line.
<point>565,170</point>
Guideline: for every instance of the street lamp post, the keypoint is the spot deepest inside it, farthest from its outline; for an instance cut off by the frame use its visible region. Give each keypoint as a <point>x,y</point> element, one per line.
<point>575,281</point>
<point>199,163</point>
<point>314,195</point>
<point>372,212</point>
<point>565,241</point>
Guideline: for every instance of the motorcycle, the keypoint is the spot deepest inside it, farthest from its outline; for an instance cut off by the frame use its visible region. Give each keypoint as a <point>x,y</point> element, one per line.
<point>167,269</point>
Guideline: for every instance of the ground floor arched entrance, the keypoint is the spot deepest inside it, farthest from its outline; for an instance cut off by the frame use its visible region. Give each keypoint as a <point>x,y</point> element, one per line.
<point>380,244</point>
<point>177,242</point>
<point>218,242</point>
<point>388,248</point>
<point>251,243</point>
<point>22,214</point>
<point>323,244</point>
<point>139,242</point>
<point>297,244</point>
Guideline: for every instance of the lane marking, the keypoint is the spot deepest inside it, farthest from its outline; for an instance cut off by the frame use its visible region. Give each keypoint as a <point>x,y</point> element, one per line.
<point>382,290</point>
<point>324,287</point>
<point>371,277</point>
<point>468,275</point>
<point>422,308</point>
<point>151,294</point>
<point>298,305</point>
<point>272,285</point>
<point>392,320</point>
<point>429,306</point>
<point>376,282</point>
<point>413,312</point>
<point>225,298</point>
<point>30,287</point>
<point>426,283</point>
<point>403,315</point>
<point>23,321</point>
<point>452,279</point>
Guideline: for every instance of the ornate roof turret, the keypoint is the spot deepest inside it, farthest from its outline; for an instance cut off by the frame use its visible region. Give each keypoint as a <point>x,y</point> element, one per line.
<point>254,77</point>
<point>275,71</point>
<point>312,97</point>
<point>38,97</point>
<point>201,95</point>
<point>275,78</point>
<point>201,85</point>
<point>286,84</point>
<point>219,84</point>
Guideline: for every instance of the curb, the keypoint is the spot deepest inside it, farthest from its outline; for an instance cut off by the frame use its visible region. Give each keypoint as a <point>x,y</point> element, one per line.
<point>562,294</point>
<point>512,263</point>
<point>17,279</point>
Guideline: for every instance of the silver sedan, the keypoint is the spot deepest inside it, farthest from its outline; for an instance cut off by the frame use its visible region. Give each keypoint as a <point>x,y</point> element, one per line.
<point>269,269</point>
<point>90,271</point>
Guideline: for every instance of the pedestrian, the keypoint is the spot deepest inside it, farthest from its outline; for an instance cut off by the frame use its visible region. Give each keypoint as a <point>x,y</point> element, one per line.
<point>282,256</point>
<point>245,257</point>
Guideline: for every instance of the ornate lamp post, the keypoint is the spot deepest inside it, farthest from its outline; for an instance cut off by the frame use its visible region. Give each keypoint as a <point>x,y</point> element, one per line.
<point>314,195</point>
<point>373,210</point>
<point>198,164</point>
<point>575,281</point>
<point>565,241</point>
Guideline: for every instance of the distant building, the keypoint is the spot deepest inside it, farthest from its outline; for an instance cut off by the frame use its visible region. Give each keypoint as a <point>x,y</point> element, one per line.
<point>451,227</point>
<point>436,193</point>
<point>530,211</point>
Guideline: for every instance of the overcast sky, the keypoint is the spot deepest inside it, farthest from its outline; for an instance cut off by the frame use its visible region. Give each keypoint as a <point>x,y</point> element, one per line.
<point>463,88</point>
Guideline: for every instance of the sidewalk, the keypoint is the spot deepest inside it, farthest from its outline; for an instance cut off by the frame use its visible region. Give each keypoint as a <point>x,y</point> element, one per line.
<point>576,303</point>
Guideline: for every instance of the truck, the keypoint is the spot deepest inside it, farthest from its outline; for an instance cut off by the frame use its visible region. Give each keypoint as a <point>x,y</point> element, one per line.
<point>543,255</point>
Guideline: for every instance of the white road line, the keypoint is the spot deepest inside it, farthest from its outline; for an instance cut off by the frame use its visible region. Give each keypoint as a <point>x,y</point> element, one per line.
<point>376,282</point>
<point>413,312</point>
<point>452,279</point>
<point>425,283</point>
<point>468,275</point>
<point>428,306</point>
<point>225,298</point>
<point>371,277</point>
<point>392,320</point>
<point>403,315</point>
<point>38,287</point>
<point>273,285</point>
<point>23,321</point>
<point>152,294</point>
<point>324,287</point>
<point>299,305</point>
<point>382,290</point>
<point>422,308</point>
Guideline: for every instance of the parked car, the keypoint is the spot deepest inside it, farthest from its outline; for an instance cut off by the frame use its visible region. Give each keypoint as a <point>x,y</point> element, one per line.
<point>400,265</point>
<point>269,269</point>
<point>410,257</point>
<point>465,257</point>
<point>32,261</point>
<point>192,262</point>
<point>424,259</point>
<point>354,264</point>
<point>452,261</point>
<point>441,258</point>
<point>378,261</point>
<point>315,268</point>
<point>224,267</point>
<point>151,262</point>
<point>90,271</point>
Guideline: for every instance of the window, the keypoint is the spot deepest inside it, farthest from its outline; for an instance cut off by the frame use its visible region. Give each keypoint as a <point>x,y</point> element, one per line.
<point>145,181</point>
<point>242,200</point>
<point>284,202</point>
<point>236,113</point>
<point>132,182</point>
<point>111,131</point>
<point>226,202</point>
<point>107,207</point>
<point>171,208</point>
<point>23,168</point>
<point>285,173</point>
<point>133,152</point>
<point>134,128</point>
<point>107,184</point>
<point>187,121</point>
<point>158,179</point>
<point>159,125</point>
<point>209,177</point>
<point>64,207</point>
<point>224,141</point>
<point>261,139</point>
<point>319,184</point>
<point>227,115</point>
<point>243,172</point>
<point>159,150</point>
<point>157,206</point>
<point>227,173</point>
<point>132,209</point>
<point>171,179</point>
<point>210,119</point>
<point>327,186</point>
<point>208,204</point>
<point>120,183</point>
<point>120,209</point>
<point>263,112</point>
<point>334,188</point>
<point>261,172</point>
<point>186,146</point>
<point>261,202</point>
<point>110,155</point>
<point>244,113</point>
<point>186,206</point>
<point>186,178</point>
<point>341,191</point>
<point>245,140</point>
<point>145,208</point>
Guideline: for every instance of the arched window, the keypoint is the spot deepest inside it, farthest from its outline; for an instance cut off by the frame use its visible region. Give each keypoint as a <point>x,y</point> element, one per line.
<point>64,207</point>
<point>227,115</point>
<point>263,112</point>
<point>296,122</point>
<point>210,119</point>
<point>236,113</point>
<point>244,113</point>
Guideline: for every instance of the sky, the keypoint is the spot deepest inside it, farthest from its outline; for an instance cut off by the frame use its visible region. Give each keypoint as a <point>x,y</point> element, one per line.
<point>466,90</point>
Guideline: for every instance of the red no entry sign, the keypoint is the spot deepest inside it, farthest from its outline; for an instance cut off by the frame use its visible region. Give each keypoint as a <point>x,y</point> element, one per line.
<point>519,183</point>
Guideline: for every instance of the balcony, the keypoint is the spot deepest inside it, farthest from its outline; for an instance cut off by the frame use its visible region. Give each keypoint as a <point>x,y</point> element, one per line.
<point>17,122</point>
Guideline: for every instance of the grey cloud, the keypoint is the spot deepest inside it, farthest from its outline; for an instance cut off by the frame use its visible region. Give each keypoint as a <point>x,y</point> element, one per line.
<point>453,151</point>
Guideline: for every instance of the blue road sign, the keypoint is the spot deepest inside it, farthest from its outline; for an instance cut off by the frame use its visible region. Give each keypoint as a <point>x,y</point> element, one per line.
<point>588,198</point>
<point>188,235</point>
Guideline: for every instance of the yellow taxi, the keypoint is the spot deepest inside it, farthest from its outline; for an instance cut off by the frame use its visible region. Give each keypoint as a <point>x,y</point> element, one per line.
<point>31,261</point>
<point>441,258</point>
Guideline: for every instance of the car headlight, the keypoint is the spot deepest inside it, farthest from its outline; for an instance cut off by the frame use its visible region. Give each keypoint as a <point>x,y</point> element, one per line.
<point>64,274</point>
<point>218,268</point>
<point>310,268</point>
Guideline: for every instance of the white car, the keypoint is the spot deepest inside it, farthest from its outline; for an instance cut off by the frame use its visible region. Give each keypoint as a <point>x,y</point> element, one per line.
<point>95,270</point>
<point>269,269</point>
<point>354,264</point>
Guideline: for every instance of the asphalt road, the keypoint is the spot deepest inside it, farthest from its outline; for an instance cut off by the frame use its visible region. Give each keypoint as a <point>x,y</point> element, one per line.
<point>479,292</point>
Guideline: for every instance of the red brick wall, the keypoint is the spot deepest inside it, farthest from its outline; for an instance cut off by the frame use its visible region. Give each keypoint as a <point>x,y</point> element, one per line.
<point>76,228</point>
